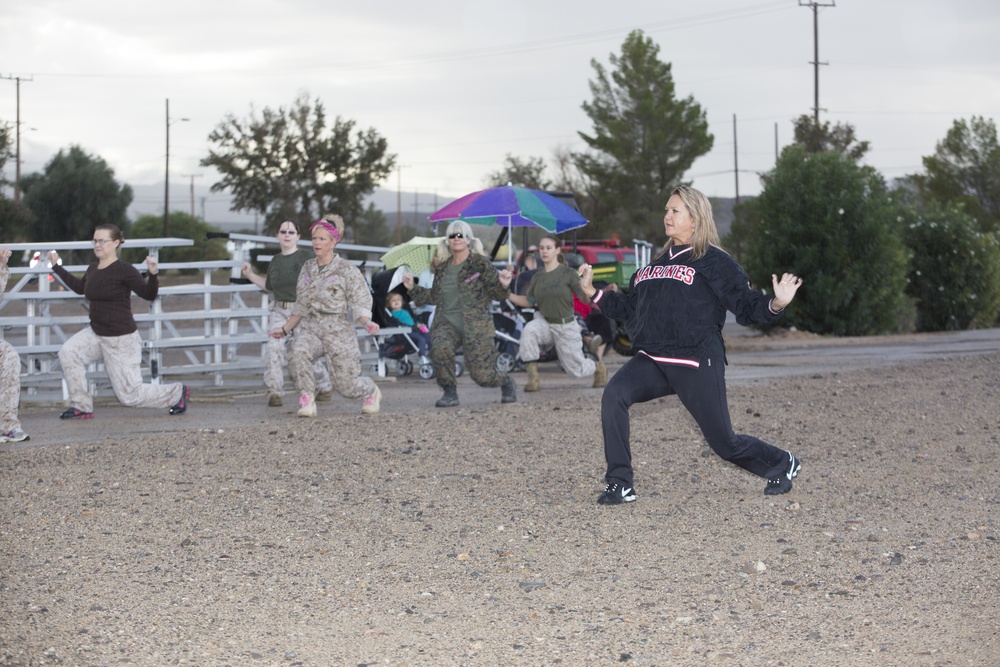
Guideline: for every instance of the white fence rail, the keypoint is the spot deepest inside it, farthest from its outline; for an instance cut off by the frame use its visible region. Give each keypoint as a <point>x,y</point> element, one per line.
<point>208,331</point>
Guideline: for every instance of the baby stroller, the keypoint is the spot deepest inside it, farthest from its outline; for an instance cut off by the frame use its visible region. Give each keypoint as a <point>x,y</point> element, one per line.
<point>506,339</point>
<point>401,347</point>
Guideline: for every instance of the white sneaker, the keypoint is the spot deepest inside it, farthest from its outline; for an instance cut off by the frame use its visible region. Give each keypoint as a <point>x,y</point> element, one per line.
<point>14,435</point>
<point>370,405</point>
<point>307,406</point>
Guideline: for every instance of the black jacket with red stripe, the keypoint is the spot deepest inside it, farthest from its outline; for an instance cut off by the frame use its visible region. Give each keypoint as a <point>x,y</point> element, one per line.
<point>676,307</point>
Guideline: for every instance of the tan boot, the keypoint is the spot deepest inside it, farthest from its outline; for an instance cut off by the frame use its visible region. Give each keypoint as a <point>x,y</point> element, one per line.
<point>534,383</point>
<point>600,375</point>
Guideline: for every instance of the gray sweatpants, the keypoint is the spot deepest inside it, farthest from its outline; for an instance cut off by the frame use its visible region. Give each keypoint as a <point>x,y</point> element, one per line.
<point>122,357</point>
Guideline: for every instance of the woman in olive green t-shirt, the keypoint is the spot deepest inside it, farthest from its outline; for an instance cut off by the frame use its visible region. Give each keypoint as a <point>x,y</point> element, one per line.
<point>551,294</point>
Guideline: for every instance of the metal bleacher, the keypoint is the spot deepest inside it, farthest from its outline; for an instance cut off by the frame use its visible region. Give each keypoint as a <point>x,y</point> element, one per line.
<point>206,332</point>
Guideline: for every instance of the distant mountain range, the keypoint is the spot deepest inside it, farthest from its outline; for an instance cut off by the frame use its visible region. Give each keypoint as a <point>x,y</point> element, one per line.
<point>214,207</point>
<point>412,208</point>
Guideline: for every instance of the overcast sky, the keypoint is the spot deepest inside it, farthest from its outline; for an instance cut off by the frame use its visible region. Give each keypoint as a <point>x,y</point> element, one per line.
<point>454,86</point>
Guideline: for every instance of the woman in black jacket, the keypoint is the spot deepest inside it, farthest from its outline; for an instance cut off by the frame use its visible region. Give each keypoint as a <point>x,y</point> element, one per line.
<point>674,312</point>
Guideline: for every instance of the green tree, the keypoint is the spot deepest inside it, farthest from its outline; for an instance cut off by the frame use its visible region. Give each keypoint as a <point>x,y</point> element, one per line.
<point>831,221</point>
<point>289,164</point>
<point>371,228</point>
<point>818,138</point>
<point>965,169</point>
<point>16,220</point>
<point>75,193</point>
<point>5,153</point>
<point>529,173</point>
<point>643,141</point>
<point>184,226</point>
<point>954,273</point>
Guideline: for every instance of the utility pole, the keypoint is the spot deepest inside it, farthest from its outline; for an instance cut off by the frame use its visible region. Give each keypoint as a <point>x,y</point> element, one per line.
<point>399,204</point>
<point>815,61</point>
<point>17,131</point>
<point>166,180</point>
<point>736,162</point>
<point>192,177</point>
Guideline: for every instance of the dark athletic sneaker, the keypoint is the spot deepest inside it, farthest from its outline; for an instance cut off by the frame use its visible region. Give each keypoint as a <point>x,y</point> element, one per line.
<point>181,405</point>
<point>616,494</point>
<point>783,484</point>
<point>73,413</point>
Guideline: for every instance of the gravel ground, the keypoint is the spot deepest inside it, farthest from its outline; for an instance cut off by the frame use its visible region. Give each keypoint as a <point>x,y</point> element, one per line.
<point>471,536</point>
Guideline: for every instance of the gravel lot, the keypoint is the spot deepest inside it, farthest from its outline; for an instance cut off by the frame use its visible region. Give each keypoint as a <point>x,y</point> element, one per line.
<point>240,535</point>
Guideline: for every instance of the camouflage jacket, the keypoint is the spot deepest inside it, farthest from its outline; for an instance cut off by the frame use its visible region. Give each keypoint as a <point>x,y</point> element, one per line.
<point>478,287</point>
<point>338,288</point>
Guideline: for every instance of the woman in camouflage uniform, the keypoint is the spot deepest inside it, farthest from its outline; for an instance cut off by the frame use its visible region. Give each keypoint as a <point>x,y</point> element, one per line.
<point>331,295</point>
<point>465,284</point>
<point>282,277</point>
<point>10,374</point>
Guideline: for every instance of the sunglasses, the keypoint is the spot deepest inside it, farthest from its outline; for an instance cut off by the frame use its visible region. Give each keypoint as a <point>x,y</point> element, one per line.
<point>456,235</point>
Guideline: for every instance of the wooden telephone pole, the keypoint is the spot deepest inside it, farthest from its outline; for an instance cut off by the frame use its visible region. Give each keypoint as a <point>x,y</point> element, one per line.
<point>815,61</point>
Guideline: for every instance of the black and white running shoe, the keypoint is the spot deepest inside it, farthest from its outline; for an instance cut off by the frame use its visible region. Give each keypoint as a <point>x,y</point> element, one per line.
<point>783,484</point>
<point>616,494</point>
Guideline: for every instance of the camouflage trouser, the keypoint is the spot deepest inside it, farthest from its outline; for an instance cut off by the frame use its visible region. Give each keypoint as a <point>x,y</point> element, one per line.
<point>480,354</point>
<point>122,357</point>
<point>10,387</point>
<point>332,336</point>
<point>566,338</point>
<point>274,357</point>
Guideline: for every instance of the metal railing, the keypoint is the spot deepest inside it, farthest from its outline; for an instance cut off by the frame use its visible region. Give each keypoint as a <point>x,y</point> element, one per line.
<point>201,331</point>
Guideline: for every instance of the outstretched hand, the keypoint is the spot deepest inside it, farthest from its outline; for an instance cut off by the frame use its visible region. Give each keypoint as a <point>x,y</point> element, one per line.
<point>784,289</point>
<point>408,281</point>
<point>586,273</point>
<point>505,277</point>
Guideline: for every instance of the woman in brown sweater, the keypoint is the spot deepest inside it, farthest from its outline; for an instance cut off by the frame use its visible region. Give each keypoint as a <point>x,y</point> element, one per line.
<point>112,335</point>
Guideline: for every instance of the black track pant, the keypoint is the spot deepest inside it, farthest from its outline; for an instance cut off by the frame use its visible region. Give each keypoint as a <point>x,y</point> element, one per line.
<point>703,392</point>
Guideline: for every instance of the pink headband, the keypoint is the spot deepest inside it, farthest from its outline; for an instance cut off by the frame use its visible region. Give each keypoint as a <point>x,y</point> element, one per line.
<point>328,226</point>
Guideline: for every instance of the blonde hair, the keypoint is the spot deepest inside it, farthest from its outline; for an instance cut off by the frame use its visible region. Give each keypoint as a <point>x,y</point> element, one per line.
<point>332,219</point>
<point>705,232</point>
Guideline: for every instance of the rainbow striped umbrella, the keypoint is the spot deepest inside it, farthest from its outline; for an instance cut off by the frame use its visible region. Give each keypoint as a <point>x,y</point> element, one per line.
<point>512,207</point>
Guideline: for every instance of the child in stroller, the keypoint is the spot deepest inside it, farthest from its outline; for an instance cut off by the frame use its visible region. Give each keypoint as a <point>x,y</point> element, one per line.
<point>399,346</point>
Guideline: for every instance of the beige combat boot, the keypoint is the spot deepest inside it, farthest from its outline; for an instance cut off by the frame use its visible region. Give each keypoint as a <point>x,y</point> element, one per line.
<point>600,375</point>
<point>534,383</point>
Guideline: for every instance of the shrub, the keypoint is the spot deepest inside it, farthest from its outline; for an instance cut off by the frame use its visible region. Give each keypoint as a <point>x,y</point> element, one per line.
<point>182,225</point>
<point>830,221</point>
<point>954,273</point>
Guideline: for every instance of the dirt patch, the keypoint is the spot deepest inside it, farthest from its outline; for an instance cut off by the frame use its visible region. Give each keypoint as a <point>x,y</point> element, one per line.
<point>471,536</point>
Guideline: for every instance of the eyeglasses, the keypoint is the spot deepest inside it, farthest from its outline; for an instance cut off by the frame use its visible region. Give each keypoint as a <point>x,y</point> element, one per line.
<point>101,241</point>
<point>287,231</point>
<point>456,235</point>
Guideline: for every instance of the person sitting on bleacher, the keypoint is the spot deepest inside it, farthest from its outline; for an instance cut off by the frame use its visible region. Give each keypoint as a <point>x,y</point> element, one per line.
<point>112,335</point>
<point>10,374</point>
